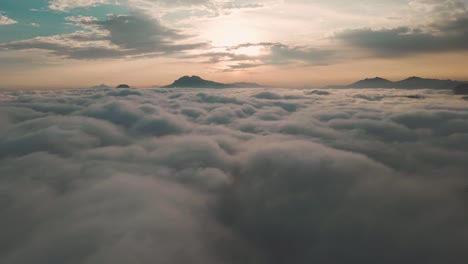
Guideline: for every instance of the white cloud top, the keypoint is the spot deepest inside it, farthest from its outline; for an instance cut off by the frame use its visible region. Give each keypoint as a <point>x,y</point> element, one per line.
<point>4,20</point>
<point>227,176</point>
<point>66,5</point>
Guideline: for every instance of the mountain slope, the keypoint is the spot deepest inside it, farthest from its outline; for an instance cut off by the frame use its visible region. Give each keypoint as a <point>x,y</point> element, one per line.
<point>408,83</point>
<point>197,82</point>
<point>376,82</point>
<point>417,82</point>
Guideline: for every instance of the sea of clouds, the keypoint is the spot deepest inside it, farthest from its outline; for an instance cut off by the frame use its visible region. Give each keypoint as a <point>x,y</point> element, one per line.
<point>127,176</point>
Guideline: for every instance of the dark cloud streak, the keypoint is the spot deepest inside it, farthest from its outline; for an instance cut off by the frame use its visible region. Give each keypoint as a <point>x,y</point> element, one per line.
<point>440,36</point>
<point>270,54</point>
<point>119,36</point>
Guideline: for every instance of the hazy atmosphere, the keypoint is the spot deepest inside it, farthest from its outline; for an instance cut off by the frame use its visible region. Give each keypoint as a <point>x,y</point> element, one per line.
<point>82,43</point>
<point>233,132</point>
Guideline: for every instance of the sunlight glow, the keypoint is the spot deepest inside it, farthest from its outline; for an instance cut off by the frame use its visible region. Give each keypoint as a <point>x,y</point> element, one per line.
<point>230,32</point>
<point>250,51</point>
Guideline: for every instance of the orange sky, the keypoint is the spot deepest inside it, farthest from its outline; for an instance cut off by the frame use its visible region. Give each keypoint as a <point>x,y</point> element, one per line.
<point>275,42</point>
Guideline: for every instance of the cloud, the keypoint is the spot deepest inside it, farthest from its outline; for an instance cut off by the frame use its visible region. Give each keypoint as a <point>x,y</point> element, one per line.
<point>211,4</point>
<point>274,96</point>
<point>179,2</point>
<point>317,92</point>
<point>186,10</point>
<point>66,5</point>
<point>439,27</point>
<point>269,53</point>
<point>114,37</point>
<point>446,32</point>
<point>4,20</point>
<point>232,175</point>
<point>281,53</point>
<point>325,209</point>
<point>439,9</point>
<point>237,5</point>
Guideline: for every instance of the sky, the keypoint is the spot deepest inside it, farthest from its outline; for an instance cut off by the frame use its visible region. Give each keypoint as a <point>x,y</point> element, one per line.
<point>82,43</point>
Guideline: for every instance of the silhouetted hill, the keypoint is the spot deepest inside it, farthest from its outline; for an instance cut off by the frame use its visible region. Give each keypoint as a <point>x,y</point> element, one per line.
<point>123,86</point>
<point>247,85</point>
<point>376,82</point>
<point>461,89</point>
<point>409,83</point>
<point>417,82</point>
<point>101,86</point>
<point>197,82</point>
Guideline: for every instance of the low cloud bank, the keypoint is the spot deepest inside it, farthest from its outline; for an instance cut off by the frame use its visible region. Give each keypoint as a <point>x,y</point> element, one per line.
<point>233,176</point>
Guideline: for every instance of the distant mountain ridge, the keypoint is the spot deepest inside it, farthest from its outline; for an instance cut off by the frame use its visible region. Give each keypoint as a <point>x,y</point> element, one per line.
<point>197,82</point>
<point>461,89</point>
<point>247,85</point>
<point>372,83</point>
<point>408,83</point>
<point>101,86</point>
<point>417,82</point>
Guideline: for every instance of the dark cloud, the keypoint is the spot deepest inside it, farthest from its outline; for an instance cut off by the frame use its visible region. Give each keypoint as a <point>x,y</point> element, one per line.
<point>268,95</point>
<point>274,96</point>
<point>271,53</point>
<point>281,53</point>
<point>150,34</point>
<point>232,176</point>
<point>328,209</point>
<point>114,37</point>
<point>317,92</point>
<point>440,36</point>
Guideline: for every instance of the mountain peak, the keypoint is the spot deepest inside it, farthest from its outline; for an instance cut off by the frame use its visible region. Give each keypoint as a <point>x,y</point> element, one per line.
<point>372,83</point>
<point>195,81</point>
<point>101,86</point>
<point>414,79</point>
<point>413,82</point>
<point>375,79</point>
<point>193,77</point>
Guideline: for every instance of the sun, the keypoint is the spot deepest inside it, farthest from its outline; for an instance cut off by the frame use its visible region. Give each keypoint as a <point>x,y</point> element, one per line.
<point>229,32</point>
